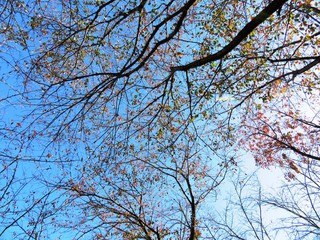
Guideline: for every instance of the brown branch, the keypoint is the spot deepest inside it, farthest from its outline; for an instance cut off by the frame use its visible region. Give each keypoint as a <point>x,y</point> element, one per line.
<point>243,34</point>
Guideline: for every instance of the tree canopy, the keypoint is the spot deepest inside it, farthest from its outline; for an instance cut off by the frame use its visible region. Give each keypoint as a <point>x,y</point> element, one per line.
<point>123,118</point>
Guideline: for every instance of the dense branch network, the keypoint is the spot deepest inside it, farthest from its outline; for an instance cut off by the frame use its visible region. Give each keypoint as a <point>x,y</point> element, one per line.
<point>137,108</point>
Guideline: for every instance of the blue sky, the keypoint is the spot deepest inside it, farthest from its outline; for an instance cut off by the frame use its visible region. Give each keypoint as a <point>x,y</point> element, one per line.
<point>58,163</point>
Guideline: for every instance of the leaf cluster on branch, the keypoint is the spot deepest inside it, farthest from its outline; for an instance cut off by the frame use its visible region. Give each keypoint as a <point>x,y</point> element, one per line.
<point>121,119</point>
